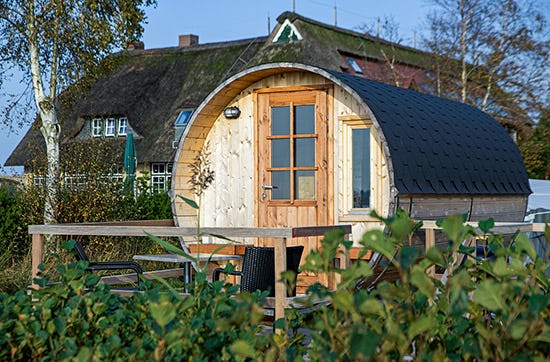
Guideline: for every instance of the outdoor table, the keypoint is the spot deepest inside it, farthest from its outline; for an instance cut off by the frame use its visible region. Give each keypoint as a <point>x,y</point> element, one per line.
<point>185,262</point>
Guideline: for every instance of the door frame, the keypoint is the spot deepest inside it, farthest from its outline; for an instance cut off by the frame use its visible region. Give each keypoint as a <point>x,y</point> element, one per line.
<point>326,167</point>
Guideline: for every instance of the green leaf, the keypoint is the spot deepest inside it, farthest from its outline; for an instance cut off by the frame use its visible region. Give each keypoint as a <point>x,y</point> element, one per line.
<point>519,328</point>
<point>243,348</point>
<point>169,247</point>
<point>409,255</point>
<point>435,256</point>
<point>486,225</point>
<point>60,325</point>
<point>189,202</point>
<point>343,300</point>
<point>422,281</point>
<point>371,306</point>
<point>454,228</point>
<point>377,241</point>
<point>538,303</point>
<point>489,295</point>
<point>163,312</point>
<point>500,267</point>
<point>421,325</point>
<point>543,336</point>
<point>68,245</point>
<point>363,344</point>
<point>523,244</point>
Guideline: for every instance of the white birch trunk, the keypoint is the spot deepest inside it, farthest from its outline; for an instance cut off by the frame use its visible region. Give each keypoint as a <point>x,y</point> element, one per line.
<point>50,128</point>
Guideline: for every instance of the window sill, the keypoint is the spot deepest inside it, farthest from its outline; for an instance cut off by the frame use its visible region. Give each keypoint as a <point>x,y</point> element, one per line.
<point>357,217</point>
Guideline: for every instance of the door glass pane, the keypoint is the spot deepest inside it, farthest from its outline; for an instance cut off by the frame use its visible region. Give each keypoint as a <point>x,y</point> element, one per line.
<point>361,167</point>
<point>280,153</point>
<point>304,185</point>
<point>304,152</point>
<point>280,180</point>
<point>305,119</point>
<point>280,121</point>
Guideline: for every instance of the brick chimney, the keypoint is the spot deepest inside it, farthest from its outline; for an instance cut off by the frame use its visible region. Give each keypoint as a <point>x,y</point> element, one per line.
<point>188,40</point>
<point>135,45</point>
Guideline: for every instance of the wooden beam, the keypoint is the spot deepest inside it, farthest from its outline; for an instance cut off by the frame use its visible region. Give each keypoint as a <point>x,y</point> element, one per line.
<point>37,257</point>
<point>430,243</point>
<point>280,267</point>
<point>131,277</point>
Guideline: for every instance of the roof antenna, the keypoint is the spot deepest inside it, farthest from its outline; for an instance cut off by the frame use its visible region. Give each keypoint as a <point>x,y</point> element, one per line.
<point>335,16</point>
<point>378,27</point>
<point>268,24</point>
<point>293,6</point>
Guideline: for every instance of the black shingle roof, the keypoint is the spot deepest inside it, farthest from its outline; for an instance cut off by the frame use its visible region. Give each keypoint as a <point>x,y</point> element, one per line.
<point>438,146</point>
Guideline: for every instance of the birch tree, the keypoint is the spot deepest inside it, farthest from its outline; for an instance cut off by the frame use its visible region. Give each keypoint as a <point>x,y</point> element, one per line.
<point>493,54</point>
<point>54,43</point>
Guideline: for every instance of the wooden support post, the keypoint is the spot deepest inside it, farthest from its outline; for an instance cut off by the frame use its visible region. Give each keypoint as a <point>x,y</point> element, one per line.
<point>280,266</point>
<point>430,243</point>
<point>37,256</point>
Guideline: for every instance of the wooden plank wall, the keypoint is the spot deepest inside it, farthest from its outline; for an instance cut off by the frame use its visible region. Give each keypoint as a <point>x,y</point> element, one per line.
<point>504,208</point>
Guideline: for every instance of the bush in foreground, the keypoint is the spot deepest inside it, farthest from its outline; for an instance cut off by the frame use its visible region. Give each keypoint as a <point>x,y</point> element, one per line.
<point>487,310</point>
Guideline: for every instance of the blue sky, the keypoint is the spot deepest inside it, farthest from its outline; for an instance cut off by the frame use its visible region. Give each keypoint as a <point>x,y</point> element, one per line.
<point>222,20</point>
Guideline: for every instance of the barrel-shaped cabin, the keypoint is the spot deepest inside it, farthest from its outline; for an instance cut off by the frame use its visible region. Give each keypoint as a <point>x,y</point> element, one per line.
<point>296,145</point>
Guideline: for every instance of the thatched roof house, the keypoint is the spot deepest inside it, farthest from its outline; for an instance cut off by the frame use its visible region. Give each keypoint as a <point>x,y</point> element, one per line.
<point>151,91</point>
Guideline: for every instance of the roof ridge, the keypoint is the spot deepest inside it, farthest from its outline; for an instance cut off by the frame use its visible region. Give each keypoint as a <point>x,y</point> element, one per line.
<point>198,47</point>
<point>293,16</point>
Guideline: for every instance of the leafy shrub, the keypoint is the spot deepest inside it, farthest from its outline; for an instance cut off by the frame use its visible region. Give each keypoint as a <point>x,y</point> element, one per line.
<point>12,225</point>
<point>487,310</point>
<point>79,319</point>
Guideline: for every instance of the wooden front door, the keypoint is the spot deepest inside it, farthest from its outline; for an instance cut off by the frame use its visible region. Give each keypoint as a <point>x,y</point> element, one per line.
<point>292,158</point>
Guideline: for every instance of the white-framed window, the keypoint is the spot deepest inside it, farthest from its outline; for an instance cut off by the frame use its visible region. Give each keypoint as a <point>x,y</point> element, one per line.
<point>97,127</point>
<point>357,166</point>
<point>110,126</point>
<point>75,181</point>
<point>122,126</point>
<point>161,176</point>
<point>38,180</point>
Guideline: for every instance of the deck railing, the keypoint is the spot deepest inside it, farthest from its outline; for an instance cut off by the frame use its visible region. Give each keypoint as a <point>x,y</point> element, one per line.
<point>160,229</point>
<point>164,228</point>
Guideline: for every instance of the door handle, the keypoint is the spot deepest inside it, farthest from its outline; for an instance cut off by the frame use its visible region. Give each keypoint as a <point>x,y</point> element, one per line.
<point>269,187</point>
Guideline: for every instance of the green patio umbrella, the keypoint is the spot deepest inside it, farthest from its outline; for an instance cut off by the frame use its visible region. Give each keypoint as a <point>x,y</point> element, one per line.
<point>130,162</point>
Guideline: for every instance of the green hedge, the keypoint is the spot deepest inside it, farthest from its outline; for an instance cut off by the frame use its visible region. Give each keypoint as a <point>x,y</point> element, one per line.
<point>487,310</point>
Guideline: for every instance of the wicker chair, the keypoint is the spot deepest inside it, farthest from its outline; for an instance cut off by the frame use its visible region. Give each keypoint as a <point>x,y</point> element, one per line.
<point>258,269</point>
<point>80,254</point>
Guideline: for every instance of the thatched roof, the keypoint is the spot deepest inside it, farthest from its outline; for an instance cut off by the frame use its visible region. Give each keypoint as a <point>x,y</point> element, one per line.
<point>151,87</point>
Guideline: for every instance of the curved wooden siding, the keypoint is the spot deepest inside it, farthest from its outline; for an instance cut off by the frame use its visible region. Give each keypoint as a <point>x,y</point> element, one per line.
<point>503,195</point>
<point>228,202</point>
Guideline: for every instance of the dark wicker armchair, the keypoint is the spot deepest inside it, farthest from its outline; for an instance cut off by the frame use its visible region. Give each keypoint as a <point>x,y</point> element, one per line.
<point>258,268</point>
<point>80,254</point>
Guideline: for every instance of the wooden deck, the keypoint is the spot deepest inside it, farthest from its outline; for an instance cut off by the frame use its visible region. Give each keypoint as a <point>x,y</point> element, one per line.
<point>159,228</point>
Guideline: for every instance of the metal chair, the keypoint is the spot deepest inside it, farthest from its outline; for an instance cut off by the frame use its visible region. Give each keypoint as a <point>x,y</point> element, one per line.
<point>80,254</point>
<point>258,268</point>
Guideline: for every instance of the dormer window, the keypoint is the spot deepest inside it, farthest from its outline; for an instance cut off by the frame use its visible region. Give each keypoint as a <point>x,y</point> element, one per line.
<point>97,127</point>
<point>110,126</point>
<point>122,126</point>
<point>356,68</point>
<point>183,117</point>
